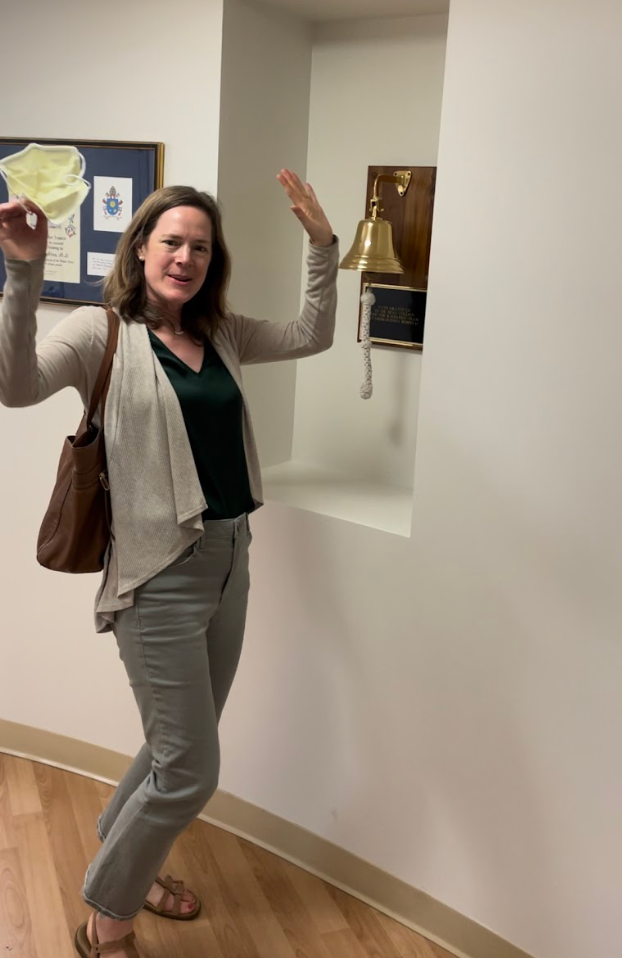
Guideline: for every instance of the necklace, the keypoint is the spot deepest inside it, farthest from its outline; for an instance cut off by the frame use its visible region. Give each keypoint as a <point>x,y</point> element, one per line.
<point>180,332</point>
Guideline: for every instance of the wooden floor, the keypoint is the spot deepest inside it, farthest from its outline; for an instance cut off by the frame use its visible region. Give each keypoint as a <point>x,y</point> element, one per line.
<point>255,905</point>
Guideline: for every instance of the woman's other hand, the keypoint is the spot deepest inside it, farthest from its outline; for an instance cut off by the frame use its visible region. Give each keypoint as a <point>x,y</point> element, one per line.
<point>306,207</point>
<point>17,239</point>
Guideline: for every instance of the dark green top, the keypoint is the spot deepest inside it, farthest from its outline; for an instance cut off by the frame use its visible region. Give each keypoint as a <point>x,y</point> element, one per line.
<point>212,406</point>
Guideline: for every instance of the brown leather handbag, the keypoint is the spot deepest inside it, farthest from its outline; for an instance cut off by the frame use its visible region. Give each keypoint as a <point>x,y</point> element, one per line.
<point>75,531</point>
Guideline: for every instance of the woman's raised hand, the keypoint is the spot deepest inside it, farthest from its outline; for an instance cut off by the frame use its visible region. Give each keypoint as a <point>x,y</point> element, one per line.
<point>306,207</point>
<point>17,239</point>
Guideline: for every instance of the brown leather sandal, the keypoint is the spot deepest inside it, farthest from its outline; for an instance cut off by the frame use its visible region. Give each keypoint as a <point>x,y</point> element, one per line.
<point>177,889</point>
<point>88,949</point>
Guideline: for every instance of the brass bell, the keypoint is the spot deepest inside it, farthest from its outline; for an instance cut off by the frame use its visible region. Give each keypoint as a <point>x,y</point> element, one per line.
<point>373,250</point>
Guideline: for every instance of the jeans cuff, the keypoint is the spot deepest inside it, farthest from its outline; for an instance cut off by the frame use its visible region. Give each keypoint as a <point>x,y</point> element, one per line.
<point>100,834</point>
<point>107,912</point>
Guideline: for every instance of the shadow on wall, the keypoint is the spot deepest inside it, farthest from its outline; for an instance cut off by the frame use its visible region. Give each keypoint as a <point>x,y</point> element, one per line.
<point>400,380</point>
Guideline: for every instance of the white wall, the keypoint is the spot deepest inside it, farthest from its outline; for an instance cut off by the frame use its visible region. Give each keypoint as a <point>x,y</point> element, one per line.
<point>519,467</point>
<point>266,79</point>
<point>108,71</point>
<point>375,99</point>
<point>448,707</point>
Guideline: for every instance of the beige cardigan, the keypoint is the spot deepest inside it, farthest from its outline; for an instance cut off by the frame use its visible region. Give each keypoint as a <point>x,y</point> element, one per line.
<point>157,500</point>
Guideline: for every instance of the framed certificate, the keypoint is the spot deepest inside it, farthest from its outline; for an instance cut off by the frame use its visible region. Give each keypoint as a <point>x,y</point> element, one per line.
<point>81,250</point>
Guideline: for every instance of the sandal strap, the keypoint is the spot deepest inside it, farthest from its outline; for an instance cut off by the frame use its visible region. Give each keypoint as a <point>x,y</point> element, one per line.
<point>126,943</point>
<point>100,948</point>
<point>176,889</point>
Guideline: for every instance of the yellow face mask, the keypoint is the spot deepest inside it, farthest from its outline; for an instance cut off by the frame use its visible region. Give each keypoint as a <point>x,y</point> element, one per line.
<point>49,176</point>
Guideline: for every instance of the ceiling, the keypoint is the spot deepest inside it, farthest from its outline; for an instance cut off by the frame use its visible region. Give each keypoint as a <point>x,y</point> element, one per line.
<point>322,10</point>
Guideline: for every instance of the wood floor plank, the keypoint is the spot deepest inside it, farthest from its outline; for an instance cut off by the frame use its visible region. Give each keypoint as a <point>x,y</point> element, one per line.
<point>51,934</point>
<point>193,859</point>
<point>104,790</point>
<point>86,807</point>
<point>344,944</point>
<point>7,836</point>
<point>439,952</point>
<point>314,892</point>
<point>159,938</point>
<point>22,786</point>
<point>294,918</point>
<point>259,918</point>
<point>105,793</point>
<point>15,925</point>
<point>364,922</point>
<point>408,942</point>
<point>70,861</point>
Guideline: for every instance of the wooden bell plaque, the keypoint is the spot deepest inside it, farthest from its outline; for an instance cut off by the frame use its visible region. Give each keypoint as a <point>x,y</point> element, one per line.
<point>398,317</point>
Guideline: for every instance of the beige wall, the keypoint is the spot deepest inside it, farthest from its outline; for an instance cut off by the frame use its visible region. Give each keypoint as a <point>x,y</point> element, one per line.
<point>105,71</point>
<point>264,126</point>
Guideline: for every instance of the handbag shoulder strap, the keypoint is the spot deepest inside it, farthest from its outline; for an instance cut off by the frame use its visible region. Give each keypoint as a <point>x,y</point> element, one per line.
<point>100,390</point>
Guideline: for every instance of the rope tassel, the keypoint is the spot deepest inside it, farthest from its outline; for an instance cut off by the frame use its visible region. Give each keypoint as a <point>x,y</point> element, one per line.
<point>367,299</point>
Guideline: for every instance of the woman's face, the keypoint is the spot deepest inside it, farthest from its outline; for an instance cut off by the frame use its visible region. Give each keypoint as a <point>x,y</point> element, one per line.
<point>177,256</point>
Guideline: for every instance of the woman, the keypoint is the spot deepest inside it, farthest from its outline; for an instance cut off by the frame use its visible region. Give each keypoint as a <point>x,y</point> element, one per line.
<point>184,475</point>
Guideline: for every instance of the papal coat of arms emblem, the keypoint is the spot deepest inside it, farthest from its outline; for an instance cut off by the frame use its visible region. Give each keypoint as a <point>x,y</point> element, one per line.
<point>113,205</point>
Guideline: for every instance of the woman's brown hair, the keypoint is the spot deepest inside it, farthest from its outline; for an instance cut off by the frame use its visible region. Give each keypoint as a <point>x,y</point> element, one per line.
<point>125,288</point>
